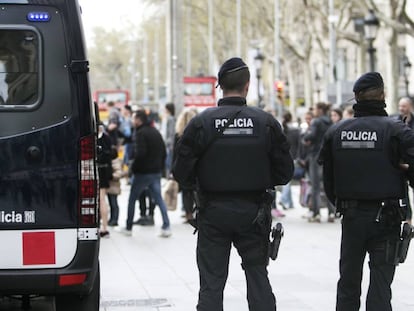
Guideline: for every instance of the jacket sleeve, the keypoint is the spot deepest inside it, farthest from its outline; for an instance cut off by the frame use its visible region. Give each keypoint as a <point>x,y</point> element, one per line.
<point>326,159</point>
<point>405,137</point>
<point>280,159</point>
<point>187,153</point>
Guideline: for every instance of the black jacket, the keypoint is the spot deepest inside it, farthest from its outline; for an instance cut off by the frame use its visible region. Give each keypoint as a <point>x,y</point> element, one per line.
<point>149,151</point>
<point>197,139</point>
<point>398,142</point>
<point>315,133</point>
<point>410,123</point>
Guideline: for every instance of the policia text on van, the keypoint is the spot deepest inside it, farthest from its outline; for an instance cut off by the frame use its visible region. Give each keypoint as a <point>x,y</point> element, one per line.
<point>48,189</point>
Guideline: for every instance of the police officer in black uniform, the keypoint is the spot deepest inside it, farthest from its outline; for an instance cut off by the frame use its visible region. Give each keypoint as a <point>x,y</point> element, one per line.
<point>233,153</point>
<point>365,177</point>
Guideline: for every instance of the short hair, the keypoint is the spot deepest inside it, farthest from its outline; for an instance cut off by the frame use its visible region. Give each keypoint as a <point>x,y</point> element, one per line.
<point>407,99</point>
<point>235,81</point>
<point>370,94</point>
<point>142,115</point>
<point>323,106</point>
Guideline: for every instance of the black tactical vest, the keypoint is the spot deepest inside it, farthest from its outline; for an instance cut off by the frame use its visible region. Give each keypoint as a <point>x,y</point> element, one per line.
<point>237,159</point>
<point>364,168</point>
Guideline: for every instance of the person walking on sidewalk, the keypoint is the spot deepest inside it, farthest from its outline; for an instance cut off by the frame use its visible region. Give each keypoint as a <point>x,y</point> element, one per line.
<point>313,138</point>
<point>293,137</point>
<point>187,194</point>
<point>232,154</point>
<point>147,166</point>
<point>405,109</point>
<point>362,174</point>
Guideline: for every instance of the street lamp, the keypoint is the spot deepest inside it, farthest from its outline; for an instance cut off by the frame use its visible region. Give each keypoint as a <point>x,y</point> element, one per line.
<point>258,61</point>
<point>407,70</point>
<point>371,25</point>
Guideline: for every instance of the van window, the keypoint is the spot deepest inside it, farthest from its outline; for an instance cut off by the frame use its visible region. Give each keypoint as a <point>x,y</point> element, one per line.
<point>19,67</point>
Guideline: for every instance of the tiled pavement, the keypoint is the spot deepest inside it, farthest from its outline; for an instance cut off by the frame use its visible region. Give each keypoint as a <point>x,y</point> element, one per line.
<point>146,272</point>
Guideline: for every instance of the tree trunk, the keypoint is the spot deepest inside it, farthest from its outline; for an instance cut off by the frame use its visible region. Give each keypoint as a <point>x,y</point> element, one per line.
<point>392,78</point>
<point>307,79</point>
<point>292,88</point>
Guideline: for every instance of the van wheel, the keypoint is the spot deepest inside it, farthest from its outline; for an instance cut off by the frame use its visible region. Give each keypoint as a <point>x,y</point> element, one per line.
<point>88,302</point>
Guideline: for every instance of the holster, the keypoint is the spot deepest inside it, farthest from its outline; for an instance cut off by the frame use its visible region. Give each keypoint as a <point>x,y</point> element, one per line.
<point>277,235</point>
<point>264,222</point>
<point>407,234</point>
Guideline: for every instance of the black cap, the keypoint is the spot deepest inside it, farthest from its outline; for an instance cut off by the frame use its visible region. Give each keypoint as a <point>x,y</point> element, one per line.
<point>368,81</point>
<point>231,65</point>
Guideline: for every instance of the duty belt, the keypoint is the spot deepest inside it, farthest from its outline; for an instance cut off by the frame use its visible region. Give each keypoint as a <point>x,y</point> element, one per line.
<point>253,196</point>
<point>376,205</point>
<point>345,204</point>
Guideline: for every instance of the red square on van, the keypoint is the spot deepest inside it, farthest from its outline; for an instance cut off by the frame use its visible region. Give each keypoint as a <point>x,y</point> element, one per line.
<point>39,248</point>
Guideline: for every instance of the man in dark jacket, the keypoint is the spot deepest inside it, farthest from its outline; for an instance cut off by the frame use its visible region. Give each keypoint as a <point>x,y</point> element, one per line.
<point>314,138</point>
<point>233,152</point>
<point>149,160</point>
<point>405,109</point>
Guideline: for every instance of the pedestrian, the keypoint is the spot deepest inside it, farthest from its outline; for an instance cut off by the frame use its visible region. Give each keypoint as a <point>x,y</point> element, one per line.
<point>168,131</point>
<point>348,112</point>
<point>405,108</point>
<point>104,173</point>
<point>147,166</point>
<point>293,137</point>
<point>313,138</point>
<point>114,191</point>
<point>126,129</point>
<point>336,115</point>
<point>303,163</point>
<point>187,193</point>
<point>114,123</point>
<point>363,176</point>
<point>233,153</point>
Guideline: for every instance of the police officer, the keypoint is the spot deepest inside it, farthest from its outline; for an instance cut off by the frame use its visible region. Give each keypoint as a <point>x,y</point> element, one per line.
<point>363,175</point>
<point>233,153</point>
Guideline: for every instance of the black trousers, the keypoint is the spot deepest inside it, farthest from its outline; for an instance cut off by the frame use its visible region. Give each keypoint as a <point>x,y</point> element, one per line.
<point>143,204</point>
<point>221,224</point>
<point>362,235</point>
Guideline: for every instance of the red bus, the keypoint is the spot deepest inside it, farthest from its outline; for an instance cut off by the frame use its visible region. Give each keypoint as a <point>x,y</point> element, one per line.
<point>200,92</point>
<point>103,97</point>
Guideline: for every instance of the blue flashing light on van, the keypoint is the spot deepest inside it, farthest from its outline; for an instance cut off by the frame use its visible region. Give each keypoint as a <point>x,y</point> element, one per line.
<point>38,17</point>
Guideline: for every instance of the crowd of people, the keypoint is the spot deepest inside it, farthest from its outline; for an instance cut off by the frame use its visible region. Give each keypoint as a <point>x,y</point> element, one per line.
<point>305,140</point>
<point>123,129</point>
<point>134,147</point>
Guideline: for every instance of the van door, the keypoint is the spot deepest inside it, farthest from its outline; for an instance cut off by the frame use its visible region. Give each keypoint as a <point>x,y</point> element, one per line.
<point>39,140</point>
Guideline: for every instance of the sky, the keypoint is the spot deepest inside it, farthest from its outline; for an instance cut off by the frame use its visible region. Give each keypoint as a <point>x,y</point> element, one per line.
<point>109,13</point>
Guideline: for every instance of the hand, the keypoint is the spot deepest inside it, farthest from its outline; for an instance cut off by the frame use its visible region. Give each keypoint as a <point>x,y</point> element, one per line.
<point>112,126</point>
<point>404,166</point>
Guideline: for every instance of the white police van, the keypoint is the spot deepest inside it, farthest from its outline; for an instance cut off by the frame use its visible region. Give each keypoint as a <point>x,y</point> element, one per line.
<point>48,180</point>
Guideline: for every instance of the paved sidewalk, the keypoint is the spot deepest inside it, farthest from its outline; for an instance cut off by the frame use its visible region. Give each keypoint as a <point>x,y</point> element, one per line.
<point>146,272</point>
